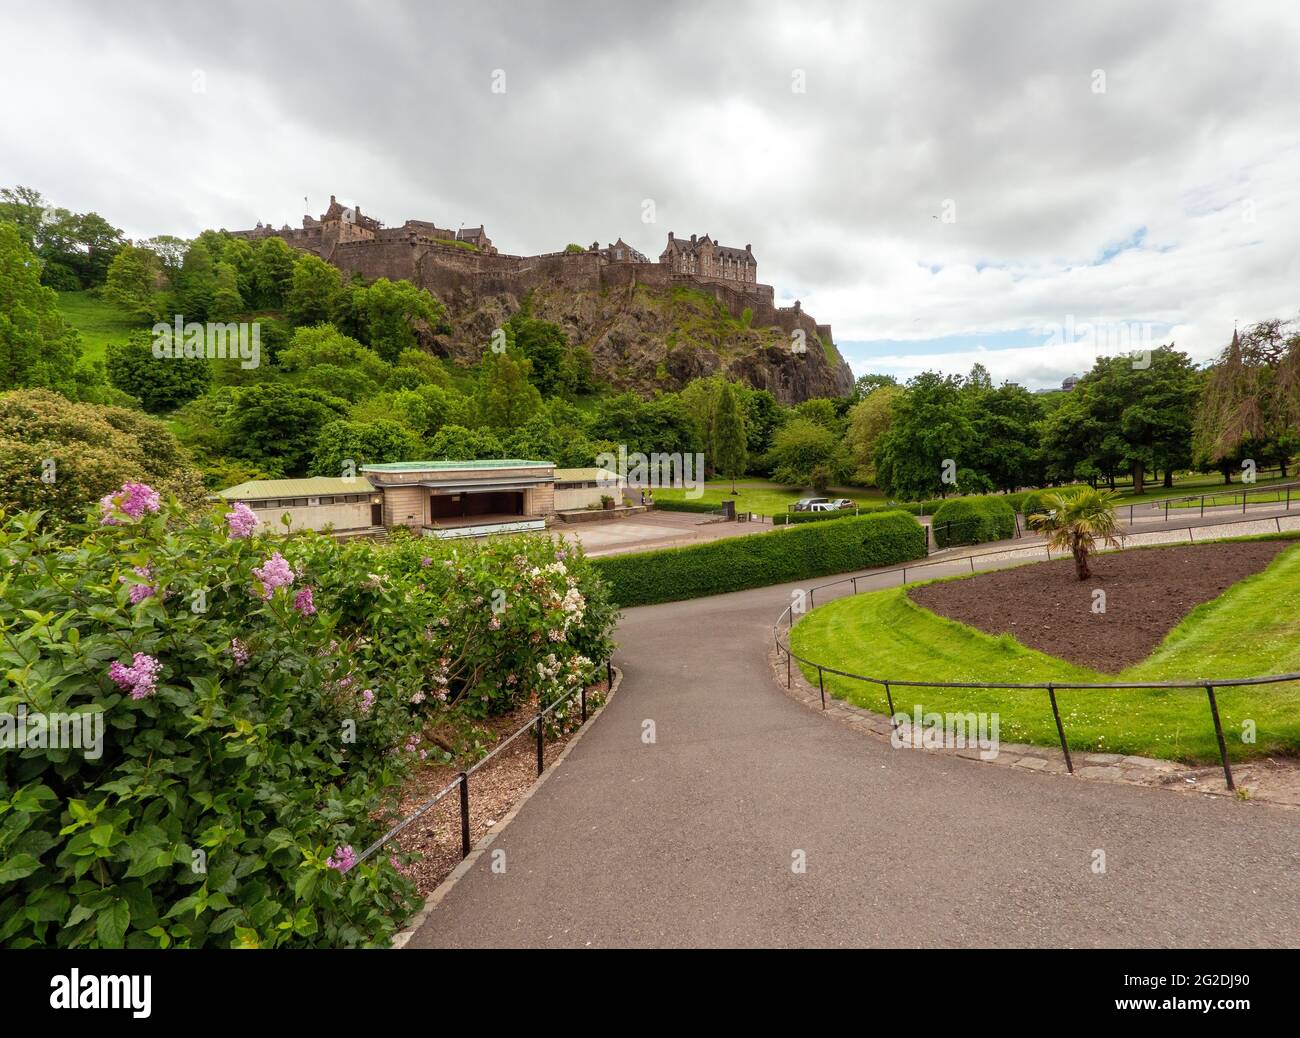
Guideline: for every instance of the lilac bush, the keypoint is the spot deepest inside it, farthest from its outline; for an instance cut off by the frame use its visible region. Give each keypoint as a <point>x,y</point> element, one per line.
<point>263,701</point>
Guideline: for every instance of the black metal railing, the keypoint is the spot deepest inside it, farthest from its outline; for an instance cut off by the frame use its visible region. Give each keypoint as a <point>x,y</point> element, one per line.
<point>461,781</point>
<point>1279,493</point>
<point>1050,687</point>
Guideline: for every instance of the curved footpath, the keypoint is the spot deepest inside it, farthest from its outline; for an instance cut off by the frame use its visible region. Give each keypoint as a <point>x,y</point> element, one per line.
<point>689,841</point>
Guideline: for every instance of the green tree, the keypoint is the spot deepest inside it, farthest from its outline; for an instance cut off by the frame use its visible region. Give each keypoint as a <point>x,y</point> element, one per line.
<point>456,443</point>
<point>159,383</point>
<point>728,436</point>
<point>196,284</point>
<point>1250,401</point>
<point>361,443</point>
<point>37,346</point>
<point>227,302</point>
<point>133,281</point>
<point>273,265</point>
<point>506,398</point>
<point>276,427</point>
<point>325,344</point>
<point>546,347</point>
<point>803,453</point>
<point>869,420</point>
<point>929,436</point>
<point>1005,423</point>
<point>395,314</point>
<point>1075,520</point>
<point>63,457</point>
<point>315,288</point>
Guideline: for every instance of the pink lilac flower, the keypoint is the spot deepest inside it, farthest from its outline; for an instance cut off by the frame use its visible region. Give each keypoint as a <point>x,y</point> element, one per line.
<point>273,573</point>
<point>426,561</point>
<point>404,870</point>
<point>141,677</point>
<point>413,746</point>
<point>556,636</point>
<point>139,592</point>
<point>302,602</point>
<point>343,858</point>
<point>133,500</point>
<point>367,700</point>
<point>241,520</point>
<point>494,624</point>
<point>239,651</point>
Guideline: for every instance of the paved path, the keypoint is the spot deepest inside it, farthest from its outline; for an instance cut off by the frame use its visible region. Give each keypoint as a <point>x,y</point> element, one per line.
<point>689,841</point>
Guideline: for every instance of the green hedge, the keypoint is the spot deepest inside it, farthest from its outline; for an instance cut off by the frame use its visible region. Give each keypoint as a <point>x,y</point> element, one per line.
<point>790,518</point>
<point>973,520</point>
<point>686,506</point>
<point>758,560</point>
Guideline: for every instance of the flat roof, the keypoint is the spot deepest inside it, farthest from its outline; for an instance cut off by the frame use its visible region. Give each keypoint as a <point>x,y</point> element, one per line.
<point>434,466</point>
<point>586,475</point>
<point>312,486</point>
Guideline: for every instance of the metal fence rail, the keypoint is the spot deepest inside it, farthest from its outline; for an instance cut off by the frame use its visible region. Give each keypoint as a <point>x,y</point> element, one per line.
<point>461,781</point>
<point>1050,687</point>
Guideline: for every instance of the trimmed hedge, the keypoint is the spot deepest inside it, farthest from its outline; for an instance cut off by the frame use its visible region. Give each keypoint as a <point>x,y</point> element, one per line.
<point>791,518</point>
<point>973,520</point>
<point>737,563</point>
<point>686,506</point>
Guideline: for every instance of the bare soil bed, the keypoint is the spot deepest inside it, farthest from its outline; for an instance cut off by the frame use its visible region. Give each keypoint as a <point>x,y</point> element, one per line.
<point>1148,592</point>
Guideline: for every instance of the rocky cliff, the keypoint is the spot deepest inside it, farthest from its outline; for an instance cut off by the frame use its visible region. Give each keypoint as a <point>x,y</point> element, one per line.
<point>645,337</point>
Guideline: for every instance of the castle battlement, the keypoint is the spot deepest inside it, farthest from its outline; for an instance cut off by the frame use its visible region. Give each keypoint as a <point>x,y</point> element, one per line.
<point>450,263</point>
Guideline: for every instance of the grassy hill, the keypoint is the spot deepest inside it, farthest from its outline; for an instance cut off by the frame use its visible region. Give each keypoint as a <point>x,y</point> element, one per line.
<point>98,321</point>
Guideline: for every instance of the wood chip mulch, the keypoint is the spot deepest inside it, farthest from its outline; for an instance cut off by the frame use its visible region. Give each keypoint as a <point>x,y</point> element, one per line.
<point>493,791</point>
<point>1148,592</point>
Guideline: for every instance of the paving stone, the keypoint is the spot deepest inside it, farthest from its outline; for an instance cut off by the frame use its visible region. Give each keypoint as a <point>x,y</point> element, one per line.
<point>1106,774</point>
<point>1030,763</point>
<point>1103,758</point>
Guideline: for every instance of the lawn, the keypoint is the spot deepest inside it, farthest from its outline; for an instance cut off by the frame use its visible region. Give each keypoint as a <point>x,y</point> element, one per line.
<point>1252,629</point>
<point>98,321</point>
<point>763,496</point>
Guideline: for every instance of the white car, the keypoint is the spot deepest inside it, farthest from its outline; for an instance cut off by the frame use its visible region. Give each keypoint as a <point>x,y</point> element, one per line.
<point>824,506</point>
<point>809,504</point>
<point>842,503</point>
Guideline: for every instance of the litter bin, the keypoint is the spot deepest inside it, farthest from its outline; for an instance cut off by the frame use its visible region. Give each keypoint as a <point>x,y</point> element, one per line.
<point>729,511</point>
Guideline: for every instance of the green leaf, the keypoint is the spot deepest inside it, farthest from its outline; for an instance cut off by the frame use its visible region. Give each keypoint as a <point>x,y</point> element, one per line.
<point>111,924</point>
<point>17,867</point>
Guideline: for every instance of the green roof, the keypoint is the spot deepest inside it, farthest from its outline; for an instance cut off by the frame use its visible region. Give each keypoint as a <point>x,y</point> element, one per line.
<point>313,486</point>
<point>586,476</point>
<point>428,466</point>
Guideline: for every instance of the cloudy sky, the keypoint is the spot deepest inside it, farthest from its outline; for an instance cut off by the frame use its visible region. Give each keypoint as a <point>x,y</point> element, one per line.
<point>942,182</point>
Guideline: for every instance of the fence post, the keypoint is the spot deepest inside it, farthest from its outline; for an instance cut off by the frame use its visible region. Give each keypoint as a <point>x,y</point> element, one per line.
<point>1130,515</point>
<point>464,815</point>
<point>541,740</point>
<point>1060,730</point>
<point>972,563</point>
<point>1277,521</point>
<point>787,668</point>
<point>583,695</point>
<point>1166,509</point>
<point>889,698</point>
<point>821,684</point>
<point>855,585</point>
<point>1202,506</point>
<point>1218,734</point>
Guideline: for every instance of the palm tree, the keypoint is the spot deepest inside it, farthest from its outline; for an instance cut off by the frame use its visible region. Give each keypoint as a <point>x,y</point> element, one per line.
<point>1076,520</point>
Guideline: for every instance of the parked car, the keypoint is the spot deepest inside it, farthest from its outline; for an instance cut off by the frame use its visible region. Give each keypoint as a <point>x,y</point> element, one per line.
<point>805,504</point>
<point>823,506</point>
<point>842,502</point>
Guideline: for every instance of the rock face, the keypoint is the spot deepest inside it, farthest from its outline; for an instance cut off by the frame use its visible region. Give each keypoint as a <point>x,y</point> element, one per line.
<point>645,326</point>
<point>643,338</point>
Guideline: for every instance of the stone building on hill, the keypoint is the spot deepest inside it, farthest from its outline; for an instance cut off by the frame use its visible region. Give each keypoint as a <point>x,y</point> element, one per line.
<point>705,257</point>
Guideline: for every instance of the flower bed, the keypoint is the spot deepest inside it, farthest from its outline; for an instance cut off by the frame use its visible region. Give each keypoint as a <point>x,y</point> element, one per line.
<point>260,704</point>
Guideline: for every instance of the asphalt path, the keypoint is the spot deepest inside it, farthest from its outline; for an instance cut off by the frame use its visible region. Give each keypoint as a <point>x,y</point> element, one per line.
<point>750,820</point>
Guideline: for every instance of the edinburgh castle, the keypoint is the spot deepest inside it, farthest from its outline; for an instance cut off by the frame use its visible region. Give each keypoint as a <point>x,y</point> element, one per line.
<point>465,264</point>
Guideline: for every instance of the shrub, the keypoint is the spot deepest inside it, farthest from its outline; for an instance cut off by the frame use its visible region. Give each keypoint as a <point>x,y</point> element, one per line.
<point>685,506</point>
<point>759,560</point>
<point>1032,503</point>
<point>795,518</point>
<point>973,520</point>
<point>259,712</point>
